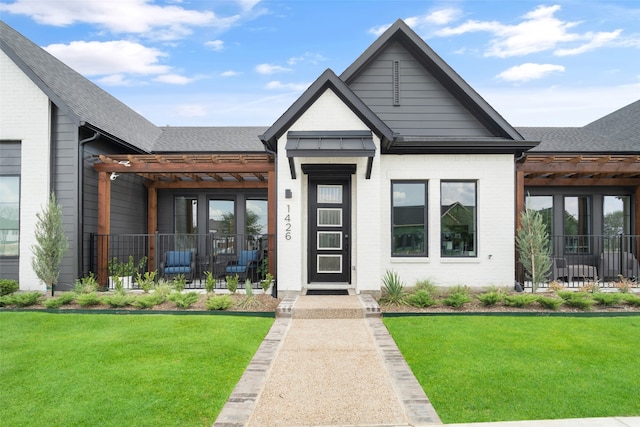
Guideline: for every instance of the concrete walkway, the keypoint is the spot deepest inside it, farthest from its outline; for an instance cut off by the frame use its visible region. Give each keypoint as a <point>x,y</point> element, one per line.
<point>329,361</point>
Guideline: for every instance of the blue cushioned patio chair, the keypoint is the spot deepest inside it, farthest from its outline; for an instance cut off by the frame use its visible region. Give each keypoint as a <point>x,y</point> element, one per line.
<point>246,266</point>
<point>178,262</point>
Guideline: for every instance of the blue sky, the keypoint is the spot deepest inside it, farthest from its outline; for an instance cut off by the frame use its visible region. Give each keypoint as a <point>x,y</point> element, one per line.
<point>244,62</point>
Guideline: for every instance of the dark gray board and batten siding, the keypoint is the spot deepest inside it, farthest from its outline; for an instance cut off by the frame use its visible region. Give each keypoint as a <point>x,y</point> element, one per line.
<point>426,107</point>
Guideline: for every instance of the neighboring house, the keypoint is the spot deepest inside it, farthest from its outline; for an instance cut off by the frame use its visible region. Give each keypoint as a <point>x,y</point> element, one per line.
<point>396,164</point>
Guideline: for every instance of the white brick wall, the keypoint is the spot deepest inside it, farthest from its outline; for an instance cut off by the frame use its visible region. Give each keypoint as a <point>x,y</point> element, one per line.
<point>25,117</point>
<point>371,211</point>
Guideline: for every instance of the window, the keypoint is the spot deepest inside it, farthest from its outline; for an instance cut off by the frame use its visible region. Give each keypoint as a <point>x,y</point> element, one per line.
<point>186,215</point>
<point>458,218</point>
<point>409,218</point>
<point>256,216</point>
<point>544,206</point>
<point>577,225</point>
<point>222,216</point>
<point>9,215</point>
<point>616,223</point>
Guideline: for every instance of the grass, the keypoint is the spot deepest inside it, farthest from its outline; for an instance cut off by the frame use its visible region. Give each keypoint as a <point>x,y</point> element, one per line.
<point>479,368</point>
<point>114,370</point>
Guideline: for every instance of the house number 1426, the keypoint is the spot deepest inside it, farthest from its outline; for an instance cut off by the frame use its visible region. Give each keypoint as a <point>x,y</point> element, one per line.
<point>287,224</point>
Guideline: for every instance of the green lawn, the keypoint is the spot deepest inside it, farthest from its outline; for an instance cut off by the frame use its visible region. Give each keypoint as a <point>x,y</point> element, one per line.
<point>482,368</point>
<point>115,370</point>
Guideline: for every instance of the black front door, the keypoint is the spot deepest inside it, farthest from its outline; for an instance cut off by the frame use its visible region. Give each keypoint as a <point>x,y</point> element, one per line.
<point>329,229</point>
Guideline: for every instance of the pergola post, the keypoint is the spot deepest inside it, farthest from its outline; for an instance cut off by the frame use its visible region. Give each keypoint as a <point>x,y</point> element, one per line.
<point>271,220</point>
<point>104,226</point>
<point>152,224</point>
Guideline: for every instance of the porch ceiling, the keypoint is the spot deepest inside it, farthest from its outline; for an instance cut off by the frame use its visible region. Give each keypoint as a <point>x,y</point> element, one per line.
<point>192,170</point>
<point>584,169</point>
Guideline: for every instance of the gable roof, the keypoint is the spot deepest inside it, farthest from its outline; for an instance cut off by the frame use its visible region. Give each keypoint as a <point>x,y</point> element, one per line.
<point>327,80</point>
<point>83,101</point>
<point>441,71</point>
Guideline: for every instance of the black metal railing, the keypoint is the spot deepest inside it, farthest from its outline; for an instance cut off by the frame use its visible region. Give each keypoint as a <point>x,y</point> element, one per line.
<point>216,254</point>
<point>580,258</point>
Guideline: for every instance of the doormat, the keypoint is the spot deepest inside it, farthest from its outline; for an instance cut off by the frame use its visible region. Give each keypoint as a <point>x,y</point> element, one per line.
<point>327,292</point>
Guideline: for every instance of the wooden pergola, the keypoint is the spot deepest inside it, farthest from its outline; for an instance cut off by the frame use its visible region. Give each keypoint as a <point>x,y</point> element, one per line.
<point>587,170</point>
<point>183,171</point>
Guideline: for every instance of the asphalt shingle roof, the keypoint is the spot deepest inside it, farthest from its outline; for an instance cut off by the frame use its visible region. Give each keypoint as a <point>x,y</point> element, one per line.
<point>210,139</point>
<point>80,98</point>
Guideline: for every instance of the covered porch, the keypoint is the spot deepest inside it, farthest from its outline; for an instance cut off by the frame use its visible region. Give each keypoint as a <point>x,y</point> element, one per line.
<point>183,172</point>
<point>575,193</point>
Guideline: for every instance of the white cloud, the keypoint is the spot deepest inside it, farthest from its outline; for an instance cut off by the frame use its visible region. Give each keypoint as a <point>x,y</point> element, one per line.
<point>174,79</point>
<point>539,31</point>
<point>436,17</point>
<point>277,85</point>
<point>215,45</point>
<point>312,58</point>
<point>112,57</point>
<point>230,73</point>
<point>529,71</point>
<point>166,22</point>
<point>271,69</point>
<point>595,41</point>
<point>115,80</point>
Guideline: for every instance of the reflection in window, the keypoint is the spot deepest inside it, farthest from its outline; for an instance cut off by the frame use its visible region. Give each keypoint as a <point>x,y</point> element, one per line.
<point>577,229</point>
<point>458,218</point>
<point>616,223</point>
<point>409,218</point>
<point>9,215</point>
<point>544,206</point>
<point>186,215</point>
<point>256,216</point>
<point>222,216</point>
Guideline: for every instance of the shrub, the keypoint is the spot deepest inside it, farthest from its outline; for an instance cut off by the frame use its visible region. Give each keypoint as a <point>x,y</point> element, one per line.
<point>632,299</point>
<point>520,301</point>
<point>24,299</point>
<point>266,282</point>
<point>86,285</point>
<point>555,285</point>
<point>249,301</point>
<point>458,289</point>
<point>565,295</point>
<point>149,301</point>
<point>623,284</point>
<point>88,300</point>
<point>146,281</point>
<point>162,288</point>
<point>426,285</point>
<point>457,300</point>
<point>183,300</point>
<point>232,283</point>
<point>580,300</point>
<point>8,286</point>
<point>591,287</point>
<point>393,291</point>
<point>119,300</point>
<point>179,282</point>
<point>210,282</point>
<point>219,302</point>
<point>608,299</point>
<point>550,303</point>
<point>491,298</point>
<point>421,298</point>
<point>66,298</point>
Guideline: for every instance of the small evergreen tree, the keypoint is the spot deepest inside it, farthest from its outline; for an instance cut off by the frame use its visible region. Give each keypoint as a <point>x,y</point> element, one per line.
<point>51,243</point>
<point>534,252</point>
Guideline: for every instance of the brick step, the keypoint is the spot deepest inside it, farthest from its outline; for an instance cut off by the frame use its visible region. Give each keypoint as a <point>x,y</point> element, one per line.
<point>328,307</point>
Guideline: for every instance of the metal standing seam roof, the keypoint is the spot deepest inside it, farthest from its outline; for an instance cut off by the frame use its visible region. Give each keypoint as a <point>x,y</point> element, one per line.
<point>330,144</point>
<point>82,100</point>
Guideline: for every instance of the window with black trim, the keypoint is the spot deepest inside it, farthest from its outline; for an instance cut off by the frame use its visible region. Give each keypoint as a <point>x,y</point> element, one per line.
<point>458,219</point>
<point>409,218</point>
<point>9,216</point>
<point>186,215</point>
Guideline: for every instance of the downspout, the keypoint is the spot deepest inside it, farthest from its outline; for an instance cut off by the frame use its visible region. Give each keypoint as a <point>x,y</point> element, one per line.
<point>80,250</point>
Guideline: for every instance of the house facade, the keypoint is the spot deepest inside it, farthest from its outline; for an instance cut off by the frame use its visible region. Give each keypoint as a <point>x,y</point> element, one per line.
<point>395,164</point>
